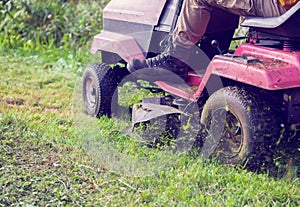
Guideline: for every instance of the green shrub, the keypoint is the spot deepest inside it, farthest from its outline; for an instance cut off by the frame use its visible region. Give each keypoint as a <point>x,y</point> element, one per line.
<point>39,24</point>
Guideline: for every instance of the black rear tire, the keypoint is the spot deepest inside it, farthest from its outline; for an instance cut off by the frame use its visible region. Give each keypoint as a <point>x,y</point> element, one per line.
<point>241,126</point>
<point>99,85</point>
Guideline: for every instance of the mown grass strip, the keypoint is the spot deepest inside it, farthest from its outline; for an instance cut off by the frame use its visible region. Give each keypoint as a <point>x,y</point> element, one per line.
<point>43,161</point>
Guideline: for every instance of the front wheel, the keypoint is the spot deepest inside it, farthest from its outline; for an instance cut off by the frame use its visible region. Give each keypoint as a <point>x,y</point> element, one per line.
<point>241,127</point>
<point>98,87</point>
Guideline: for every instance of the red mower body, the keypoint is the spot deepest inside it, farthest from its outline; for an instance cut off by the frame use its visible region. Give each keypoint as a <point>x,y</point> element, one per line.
<point>262,67</point>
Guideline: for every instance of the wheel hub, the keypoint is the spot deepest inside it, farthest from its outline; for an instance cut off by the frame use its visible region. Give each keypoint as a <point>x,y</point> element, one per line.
<point>91,95</point>
<point>232,136</point>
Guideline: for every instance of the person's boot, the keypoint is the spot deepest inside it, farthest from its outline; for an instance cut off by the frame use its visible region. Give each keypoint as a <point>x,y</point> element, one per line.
<point>173,59</point>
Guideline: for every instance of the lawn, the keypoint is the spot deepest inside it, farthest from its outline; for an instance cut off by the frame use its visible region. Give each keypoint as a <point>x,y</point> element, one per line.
<point>48,158</point>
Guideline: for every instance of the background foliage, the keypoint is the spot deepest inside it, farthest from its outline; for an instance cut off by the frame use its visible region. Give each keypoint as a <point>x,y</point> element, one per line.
<point>36,24</point>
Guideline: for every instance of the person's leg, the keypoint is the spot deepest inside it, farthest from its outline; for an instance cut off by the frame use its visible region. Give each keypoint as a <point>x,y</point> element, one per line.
<point>190,28</point>
<point>192,22</point>
<point>195,16</point>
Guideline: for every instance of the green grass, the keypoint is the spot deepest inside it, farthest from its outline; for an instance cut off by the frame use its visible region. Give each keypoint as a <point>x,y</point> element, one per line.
<point>38,25</point>
<point>47,159</point>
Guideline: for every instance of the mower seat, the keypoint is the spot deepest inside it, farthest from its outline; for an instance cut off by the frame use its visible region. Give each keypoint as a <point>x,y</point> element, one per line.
<point>287,25</point>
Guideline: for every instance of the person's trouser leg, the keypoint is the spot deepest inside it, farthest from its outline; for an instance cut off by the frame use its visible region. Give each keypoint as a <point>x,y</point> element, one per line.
<point>191,26</point>
<point>195,15</point>
<point>192,23</point>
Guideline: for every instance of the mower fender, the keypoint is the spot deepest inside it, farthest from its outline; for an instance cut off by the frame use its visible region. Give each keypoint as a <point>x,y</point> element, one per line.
<point>125,46</point>
<point>266,68</point>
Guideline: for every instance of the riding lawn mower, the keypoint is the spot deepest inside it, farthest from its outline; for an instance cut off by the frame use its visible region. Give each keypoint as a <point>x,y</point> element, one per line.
<point>244,96</point>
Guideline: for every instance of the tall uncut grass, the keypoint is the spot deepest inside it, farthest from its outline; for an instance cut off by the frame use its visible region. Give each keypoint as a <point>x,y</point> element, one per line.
<point>40,24</point>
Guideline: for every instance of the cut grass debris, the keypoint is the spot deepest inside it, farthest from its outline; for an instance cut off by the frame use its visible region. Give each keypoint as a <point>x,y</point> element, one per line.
<point>43,160</point>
